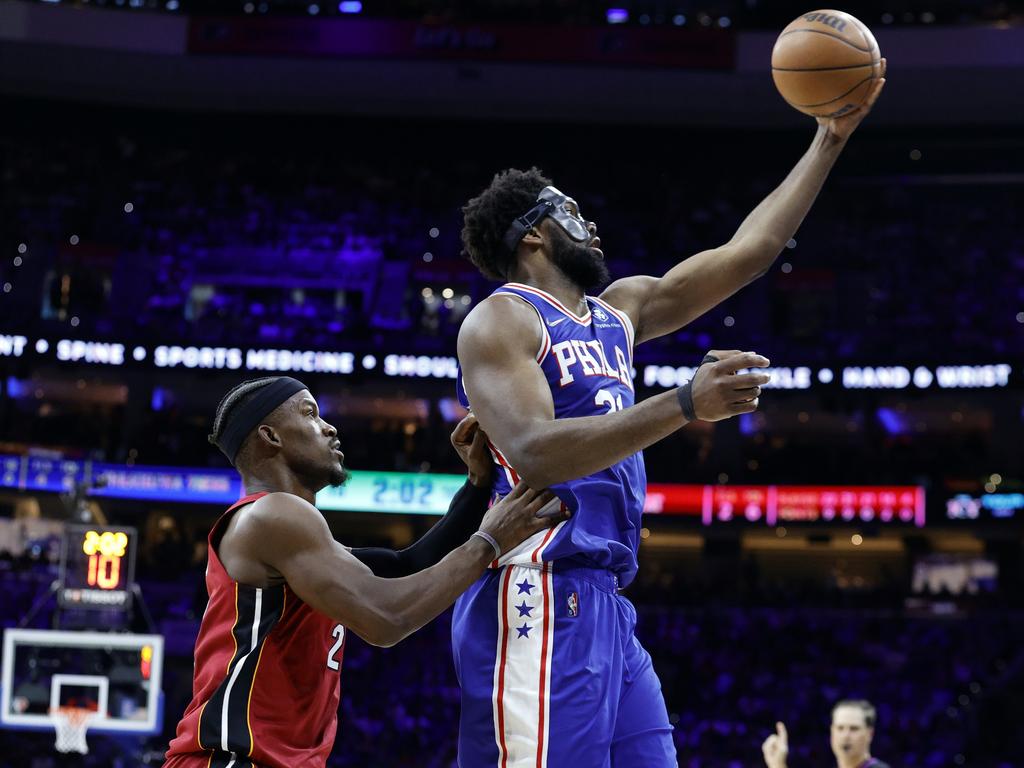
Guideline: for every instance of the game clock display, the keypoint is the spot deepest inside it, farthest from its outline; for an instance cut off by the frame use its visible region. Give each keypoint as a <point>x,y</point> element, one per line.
<point>97,567</point>
<point>396,492</point>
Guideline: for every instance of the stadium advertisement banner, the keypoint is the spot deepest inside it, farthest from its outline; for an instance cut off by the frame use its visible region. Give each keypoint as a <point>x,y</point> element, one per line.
<point>184,484</point>
<point>910,376</point>
<point>988,506</point>
<point>785,504</point>
<point>430,494</point>
<point>362,38</point>
<point>394,492</point>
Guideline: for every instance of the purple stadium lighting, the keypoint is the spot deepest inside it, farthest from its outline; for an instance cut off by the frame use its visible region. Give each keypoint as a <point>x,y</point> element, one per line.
<point>350,6</point>
<point>617,15</point>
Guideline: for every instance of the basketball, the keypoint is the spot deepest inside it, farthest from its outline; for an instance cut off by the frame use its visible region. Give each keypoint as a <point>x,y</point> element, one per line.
<point>825,63</point>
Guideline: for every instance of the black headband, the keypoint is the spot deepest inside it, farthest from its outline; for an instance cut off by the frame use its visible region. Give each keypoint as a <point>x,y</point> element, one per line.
<point>246,417</point>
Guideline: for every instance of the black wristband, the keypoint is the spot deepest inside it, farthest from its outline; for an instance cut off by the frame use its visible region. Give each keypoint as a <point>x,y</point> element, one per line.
<point>685,396</point>
<point>685,393</point>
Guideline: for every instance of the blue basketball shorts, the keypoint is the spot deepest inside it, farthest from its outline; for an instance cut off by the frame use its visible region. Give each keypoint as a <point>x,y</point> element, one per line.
<point>553,676</point>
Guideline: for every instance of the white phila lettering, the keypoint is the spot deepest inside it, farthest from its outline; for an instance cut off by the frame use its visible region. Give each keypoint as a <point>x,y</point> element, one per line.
<point>625,372</point>
<point>587,362</point>
<point>565,356</point>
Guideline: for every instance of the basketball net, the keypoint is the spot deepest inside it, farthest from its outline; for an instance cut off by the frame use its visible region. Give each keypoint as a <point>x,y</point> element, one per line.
<point>71,724</point>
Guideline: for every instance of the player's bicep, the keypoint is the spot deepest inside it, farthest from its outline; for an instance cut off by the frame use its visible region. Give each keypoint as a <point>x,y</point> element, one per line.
<point>662,305</point>
<point>292,538</point>
<point>693,287</point>
<point>504,382</point>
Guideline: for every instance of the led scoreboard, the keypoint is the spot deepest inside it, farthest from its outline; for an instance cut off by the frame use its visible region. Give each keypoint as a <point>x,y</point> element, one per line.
<point>97,567</point>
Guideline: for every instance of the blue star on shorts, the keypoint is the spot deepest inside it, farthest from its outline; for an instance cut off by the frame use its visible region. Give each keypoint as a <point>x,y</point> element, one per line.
<point>524,631</point>
<point>524,609</point>
<point>524,586</point>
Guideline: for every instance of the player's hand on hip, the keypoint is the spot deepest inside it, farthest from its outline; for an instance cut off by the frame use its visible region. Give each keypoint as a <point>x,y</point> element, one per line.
<point>776,747</point>
<point>470,442</point>
<point>842,127</point>
<point>720,391</point>
<point>521,514</point>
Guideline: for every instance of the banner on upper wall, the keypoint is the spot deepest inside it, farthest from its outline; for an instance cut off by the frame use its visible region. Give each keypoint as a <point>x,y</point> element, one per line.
<point>360,38</point>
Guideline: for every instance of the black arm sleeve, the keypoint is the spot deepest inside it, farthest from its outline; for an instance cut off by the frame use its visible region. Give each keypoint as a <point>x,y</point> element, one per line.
<point>451,531</point>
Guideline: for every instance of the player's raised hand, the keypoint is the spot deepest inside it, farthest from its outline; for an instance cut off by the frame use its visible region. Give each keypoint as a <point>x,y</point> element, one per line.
<point>841,127</point>
<point>719,391</point>
<point>520,515</point>
<point>470,442</point>
<point>776,747</point>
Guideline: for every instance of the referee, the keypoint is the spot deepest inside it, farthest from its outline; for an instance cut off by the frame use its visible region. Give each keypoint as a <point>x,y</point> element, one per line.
<point>853,727</point>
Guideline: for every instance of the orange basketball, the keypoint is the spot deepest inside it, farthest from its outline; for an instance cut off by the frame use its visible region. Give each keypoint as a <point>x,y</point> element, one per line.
<point>825,63</point>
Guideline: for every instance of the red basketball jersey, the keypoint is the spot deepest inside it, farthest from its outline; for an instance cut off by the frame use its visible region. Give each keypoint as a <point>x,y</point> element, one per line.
<point>267,677</point>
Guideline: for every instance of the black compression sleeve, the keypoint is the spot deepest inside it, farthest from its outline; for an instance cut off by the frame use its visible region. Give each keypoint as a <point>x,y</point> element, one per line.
<point>451,531</point>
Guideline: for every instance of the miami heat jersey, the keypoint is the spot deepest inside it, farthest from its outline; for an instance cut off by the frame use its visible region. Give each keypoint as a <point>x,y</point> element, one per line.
<point>267,676</point>
<point>588,363</point>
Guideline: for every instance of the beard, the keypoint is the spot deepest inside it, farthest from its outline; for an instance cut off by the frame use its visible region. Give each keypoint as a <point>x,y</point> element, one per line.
<point>580,264</point>
<point>338,475</point>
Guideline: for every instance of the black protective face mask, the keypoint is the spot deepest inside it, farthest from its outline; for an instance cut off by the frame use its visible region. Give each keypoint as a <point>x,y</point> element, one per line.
<point>550,202</point>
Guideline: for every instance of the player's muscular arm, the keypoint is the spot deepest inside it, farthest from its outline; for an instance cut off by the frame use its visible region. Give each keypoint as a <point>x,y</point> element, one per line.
<point>498,342</point>
<point>662,305</point>
<point>288,535</point>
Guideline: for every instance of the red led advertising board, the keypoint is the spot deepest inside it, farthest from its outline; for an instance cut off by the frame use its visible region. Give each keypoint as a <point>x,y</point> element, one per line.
<point>782,504</point>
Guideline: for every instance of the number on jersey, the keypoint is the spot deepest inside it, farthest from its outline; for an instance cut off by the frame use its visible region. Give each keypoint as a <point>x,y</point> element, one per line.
<point>606,398</point>
<point>332,662</point>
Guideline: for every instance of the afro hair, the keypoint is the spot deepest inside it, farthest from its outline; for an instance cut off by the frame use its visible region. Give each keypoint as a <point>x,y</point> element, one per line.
<point>487,217</point>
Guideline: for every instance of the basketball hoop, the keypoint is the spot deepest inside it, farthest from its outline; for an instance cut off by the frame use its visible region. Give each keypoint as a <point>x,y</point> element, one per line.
<point>71,724</point>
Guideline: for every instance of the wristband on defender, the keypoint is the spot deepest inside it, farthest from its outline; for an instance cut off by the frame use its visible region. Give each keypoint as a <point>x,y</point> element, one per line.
<point>685,392</point>
<point>490,540</point>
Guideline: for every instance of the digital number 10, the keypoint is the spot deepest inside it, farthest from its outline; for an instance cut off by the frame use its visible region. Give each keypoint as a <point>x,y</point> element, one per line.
<point>104,571</point>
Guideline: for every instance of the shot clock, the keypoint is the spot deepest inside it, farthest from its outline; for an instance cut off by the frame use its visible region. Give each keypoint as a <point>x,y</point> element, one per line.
<point>97,567</point>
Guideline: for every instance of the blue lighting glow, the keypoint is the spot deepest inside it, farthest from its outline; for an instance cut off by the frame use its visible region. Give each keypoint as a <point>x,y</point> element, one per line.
<point>158,400</point>
<point>892,422</point>
<point>617,15</point>
<point>350,6</point>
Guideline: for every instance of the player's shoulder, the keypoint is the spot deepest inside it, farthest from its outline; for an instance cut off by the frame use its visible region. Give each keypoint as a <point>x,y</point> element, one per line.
<point>627,293</point>
<point>503,304</point>
<point>501,314</point>
<point>277,513</point>
<point>280,500</point>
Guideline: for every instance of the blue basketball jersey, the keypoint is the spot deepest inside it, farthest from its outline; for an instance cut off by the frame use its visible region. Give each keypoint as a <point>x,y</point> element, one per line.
<point>588,362</point>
